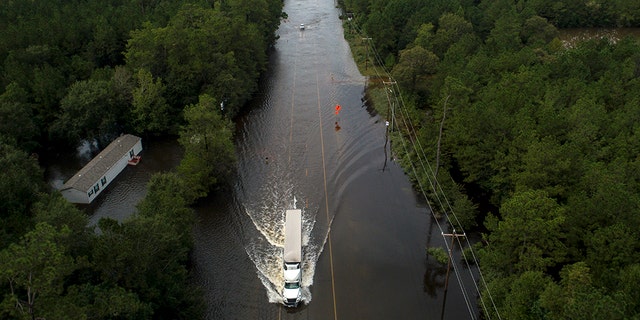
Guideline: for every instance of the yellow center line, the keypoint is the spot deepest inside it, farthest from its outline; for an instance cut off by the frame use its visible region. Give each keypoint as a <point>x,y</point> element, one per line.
<point>326,199</point>
<point>293,97</point>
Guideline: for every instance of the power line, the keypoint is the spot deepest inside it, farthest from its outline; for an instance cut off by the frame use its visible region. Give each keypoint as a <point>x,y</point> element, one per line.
<point>441,191</point>
<point>456,272</point>
<point>429,174</point>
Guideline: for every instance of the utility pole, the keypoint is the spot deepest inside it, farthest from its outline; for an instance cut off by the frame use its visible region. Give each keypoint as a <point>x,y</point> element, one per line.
<point>391,105</point>
<point>453,236</point>
<point>444,115</point>
<point>366,51</point>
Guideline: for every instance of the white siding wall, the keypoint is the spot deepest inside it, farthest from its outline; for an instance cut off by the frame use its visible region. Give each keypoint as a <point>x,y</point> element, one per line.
<point>87,196</point>
<point>137,148</point>
<point>114,171</point>
<point>75,196</point>
<point>108,177</point>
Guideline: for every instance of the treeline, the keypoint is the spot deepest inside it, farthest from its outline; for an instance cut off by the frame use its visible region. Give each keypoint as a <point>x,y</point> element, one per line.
<point>73,71</point>
<point>84,70</point>
<point>61,269</point>
<point>544,138</point>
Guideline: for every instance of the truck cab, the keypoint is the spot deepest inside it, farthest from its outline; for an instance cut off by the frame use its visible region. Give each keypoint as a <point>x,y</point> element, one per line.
<point>292,279</point>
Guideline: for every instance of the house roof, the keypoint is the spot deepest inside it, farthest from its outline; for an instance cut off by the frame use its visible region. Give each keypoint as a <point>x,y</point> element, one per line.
<point>100,164</point>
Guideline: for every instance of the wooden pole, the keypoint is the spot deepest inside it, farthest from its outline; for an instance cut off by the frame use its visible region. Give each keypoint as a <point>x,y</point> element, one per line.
<point>453,236</point>
<point>444,115</point>
<point>366,49</point>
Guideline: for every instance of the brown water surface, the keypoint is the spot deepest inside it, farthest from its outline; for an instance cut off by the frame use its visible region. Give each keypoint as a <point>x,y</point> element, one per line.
<point>365,232</point>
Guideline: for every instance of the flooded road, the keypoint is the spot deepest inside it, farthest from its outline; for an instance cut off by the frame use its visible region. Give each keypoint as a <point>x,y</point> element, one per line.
<point>364,232</point>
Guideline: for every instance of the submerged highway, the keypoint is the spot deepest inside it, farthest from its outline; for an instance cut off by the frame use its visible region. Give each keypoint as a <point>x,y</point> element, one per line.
<point>364,231</point>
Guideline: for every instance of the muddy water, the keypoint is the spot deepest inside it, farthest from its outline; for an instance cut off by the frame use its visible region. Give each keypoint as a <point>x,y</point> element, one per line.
<point>118,201</point>
<point>365,231</point>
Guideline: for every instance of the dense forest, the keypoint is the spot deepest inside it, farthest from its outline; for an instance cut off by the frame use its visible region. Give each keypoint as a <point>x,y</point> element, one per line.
<point>544,140</point>
<point>89,70</point>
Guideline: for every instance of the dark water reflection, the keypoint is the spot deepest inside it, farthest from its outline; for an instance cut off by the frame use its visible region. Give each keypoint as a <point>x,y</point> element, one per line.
<point>365,231</point>
<point>118,201</point>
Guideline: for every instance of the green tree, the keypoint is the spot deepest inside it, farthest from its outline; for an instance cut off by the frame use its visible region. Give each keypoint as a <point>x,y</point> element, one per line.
<point>377,26</point>
<point>165,200</point>
<point>147,255</point>
<point>547,165</point>
<point>259,12</point>
<point>209,152</point>
<point>505,36</point>
<point>603,198</point>
<point>105,48</point>
<point>424,36</point>
<point>35,270</point>
<point>521,296</point>
<point>121,86</point>
<point>22,180</point>
<point>609,250</point>
<point>53,209</point>
<point>476,138</point>
<point>88,301</point>
<point>627,13</point>
<point>414,66</point>
<point>538,31</point>
<point>545,133</point>
<point>47,89</point>
<point>16,118</point>
<point>451,28</point>
<point>87,113</point>
<point>203,51</point>
<point>577,298</point>
<point>628,278</point>
<point>145,50</point>
<point>528,237</point>
<point>151,112</point>
<point>138,268</point>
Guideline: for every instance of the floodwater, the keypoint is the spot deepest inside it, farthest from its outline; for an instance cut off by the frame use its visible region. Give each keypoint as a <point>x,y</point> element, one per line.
<point>118,201</point>
<point>364,229</point>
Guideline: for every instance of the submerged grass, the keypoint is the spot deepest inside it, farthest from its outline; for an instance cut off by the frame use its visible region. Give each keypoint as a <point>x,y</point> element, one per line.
<point>361,52</point>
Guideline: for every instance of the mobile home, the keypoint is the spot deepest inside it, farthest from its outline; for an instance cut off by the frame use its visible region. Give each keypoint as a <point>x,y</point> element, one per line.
<point>93,178</point>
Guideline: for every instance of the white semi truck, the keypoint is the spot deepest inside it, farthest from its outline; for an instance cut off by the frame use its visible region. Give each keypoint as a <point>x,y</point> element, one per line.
<point>292,257</point>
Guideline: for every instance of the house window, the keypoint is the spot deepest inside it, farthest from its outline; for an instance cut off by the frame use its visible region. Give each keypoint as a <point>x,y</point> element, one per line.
<point>90,193</point>
<point>103,181</point>
<point>96,188</point>
<point>131,154</point>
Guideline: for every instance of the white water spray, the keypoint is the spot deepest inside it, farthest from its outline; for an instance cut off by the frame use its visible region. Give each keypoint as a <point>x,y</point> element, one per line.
<point>265,248</point>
